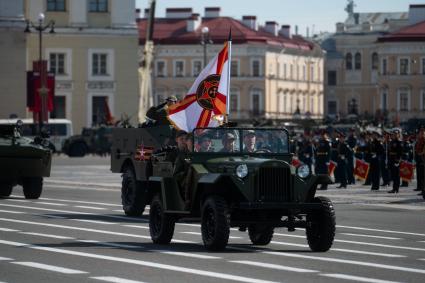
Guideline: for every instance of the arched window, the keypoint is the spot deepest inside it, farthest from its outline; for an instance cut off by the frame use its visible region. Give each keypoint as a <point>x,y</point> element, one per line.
<point>375,61</point>
<point>358,61</point>
<point>349,61</point>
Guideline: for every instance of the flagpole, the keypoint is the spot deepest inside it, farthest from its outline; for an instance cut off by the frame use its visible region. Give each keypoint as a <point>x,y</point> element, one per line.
<point>229,42</point>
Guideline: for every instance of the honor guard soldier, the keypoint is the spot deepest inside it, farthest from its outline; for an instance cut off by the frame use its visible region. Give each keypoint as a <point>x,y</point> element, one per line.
<point>420,160</point>
<point>352,143</point>
<point>385,172</point>
<point>343,151</point>
<point>158,114</point>
<point>407,153</point>
<point>367,156</point>
<point>323,154</point>
<point>334,154</point>
<point>394,160</point>
<point>376,152</point>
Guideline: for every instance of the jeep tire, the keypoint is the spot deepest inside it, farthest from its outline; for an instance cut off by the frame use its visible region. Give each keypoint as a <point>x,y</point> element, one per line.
<point>161,225</point>
<point>320,229</point>
<point>132,194</point>
<point>77,149</point>
<point>5,189</point>
<point>260,234</point>
<point>215,223</point>
<point>33,187</point>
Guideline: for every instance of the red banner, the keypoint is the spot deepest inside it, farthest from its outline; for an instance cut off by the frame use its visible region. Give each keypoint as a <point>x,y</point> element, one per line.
<point>331,167</point>
<point>406,171</point>
<point>361,169</point>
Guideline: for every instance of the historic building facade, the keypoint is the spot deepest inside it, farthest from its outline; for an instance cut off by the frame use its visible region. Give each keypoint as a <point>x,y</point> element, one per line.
<point>12,59</point>
<point>359,61</point>
<point>274,74</point>
<point>93,54</point>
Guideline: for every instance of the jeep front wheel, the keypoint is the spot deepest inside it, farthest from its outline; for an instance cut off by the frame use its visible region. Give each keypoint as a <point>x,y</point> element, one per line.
<point>260,234</point>
<point>6,189</point>
<point>161,225</point>
<point>321,226</point>
<point>215,223</point>
<point>132,195</point>
<point>32,187</point>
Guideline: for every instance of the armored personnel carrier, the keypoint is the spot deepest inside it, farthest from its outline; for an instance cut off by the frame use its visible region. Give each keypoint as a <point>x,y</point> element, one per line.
<point>23,161</point>
<point>232,177</point>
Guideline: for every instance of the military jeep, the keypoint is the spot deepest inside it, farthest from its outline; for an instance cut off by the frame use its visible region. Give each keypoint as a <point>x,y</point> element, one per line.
<point>234,177</point>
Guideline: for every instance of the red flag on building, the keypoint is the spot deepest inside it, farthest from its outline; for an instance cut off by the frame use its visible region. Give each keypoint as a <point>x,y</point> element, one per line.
<point>331,167</point>
<point>406,171</point>
<point>361,169</point>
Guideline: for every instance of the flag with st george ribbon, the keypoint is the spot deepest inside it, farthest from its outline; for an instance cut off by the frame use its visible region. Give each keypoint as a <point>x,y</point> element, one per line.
<point>361,170</point>
<point>406,171</point>
<point>208,96</point>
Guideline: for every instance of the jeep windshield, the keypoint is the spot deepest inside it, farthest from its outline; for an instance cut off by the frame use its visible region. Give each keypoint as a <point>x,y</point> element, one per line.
<point>242,140</point>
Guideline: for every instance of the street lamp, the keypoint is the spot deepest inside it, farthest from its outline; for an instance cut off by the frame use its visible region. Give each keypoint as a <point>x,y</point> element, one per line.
<point>205,39</point>
<point>43,91</point>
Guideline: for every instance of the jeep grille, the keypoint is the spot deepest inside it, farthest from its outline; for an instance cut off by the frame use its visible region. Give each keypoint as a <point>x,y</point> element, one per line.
<point>274,184</point>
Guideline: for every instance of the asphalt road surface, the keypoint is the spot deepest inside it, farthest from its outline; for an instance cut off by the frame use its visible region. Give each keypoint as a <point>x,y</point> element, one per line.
<point>77,232</point>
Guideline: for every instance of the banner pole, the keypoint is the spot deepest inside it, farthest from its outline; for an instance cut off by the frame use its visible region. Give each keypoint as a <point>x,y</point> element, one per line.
<point>229,46</point>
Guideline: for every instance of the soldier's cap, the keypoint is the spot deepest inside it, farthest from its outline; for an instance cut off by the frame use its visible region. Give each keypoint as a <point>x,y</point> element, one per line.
<point>181,133</point>
<point>171,98</point>
<point>250,133</point>
<point>396,131</point>
<point>228,136</point>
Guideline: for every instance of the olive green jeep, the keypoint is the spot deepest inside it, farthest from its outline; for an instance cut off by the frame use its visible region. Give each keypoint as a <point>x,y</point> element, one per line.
<point>233,177</point>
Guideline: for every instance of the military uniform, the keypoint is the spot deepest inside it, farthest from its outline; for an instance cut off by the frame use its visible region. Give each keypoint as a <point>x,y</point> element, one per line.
<point>407,155</point>
<point>306,154</point>
<point>385,172</point>
<point>376,152</point>
<point>323,154</point>
<point>395,153</point>
<point>343,152</point>
<point>334,158</point>
<point>420,163</point>
<point>352,142</point>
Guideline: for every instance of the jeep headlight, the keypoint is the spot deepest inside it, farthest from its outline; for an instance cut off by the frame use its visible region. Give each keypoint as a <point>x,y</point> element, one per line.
<point>303,171</point>
<point>242,171</point>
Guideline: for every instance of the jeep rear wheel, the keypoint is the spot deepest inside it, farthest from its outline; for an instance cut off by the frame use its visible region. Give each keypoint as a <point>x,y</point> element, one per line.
<point>215,223</point>
<point>260,234</point>
<point>132,195</point>
<point>321,226</point>
<point>5,189</point>
<point>78,149</point>
<point>33,187</point>
<point>161,225</point>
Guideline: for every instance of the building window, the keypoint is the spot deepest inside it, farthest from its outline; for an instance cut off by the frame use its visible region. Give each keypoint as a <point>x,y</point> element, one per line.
<point>100,109</point>
<point>55,5</point>
<point>349,61</point>
<point>160,69</point>
<point>255,68</point>
<point>59,108</point>
<point>98,5</point>
<point>403,99</point>
<point>304,73</point>
<point>57,63</point>
<point>159,94</point>
<point>178,68</point>
<point>332,108</point>
<point>403,66</point>
<point>312,73</point>
<point>358,61</point>
<point>99,64</point>
<point>234,100</point>
<point>384,66</point>
<point>256,102</point>
<point>196,67</point>
<point>234,68</point>
<point>332,78</point>
<point>284,71</point>
<point>291,72</point>
<point>375,61</point>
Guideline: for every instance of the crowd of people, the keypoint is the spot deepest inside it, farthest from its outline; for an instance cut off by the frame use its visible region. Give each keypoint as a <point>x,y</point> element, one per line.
<point>382,151</point>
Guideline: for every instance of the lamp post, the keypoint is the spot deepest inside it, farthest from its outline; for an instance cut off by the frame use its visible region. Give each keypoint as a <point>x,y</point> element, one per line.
<point>43,91</point>
<point>205,40</point>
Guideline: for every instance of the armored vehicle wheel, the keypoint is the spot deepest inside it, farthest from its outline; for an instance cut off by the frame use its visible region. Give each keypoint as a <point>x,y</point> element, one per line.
<point>215,223</point>
<point>77,150</point>
<point>260,234</point>
<point>32,187</point>
<point>321,226</point>
<point>132,197</point>
<point>5,189</point>
<point>161,225</point>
